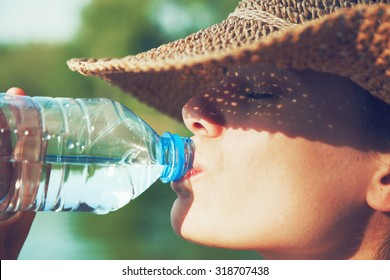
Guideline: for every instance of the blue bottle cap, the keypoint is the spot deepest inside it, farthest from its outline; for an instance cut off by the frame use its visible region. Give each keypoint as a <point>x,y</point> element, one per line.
<point>177,166</point>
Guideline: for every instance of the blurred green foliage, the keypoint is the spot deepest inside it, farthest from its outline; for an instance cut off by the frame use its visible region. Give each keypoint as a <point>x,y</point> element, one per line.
<point>118,28</point>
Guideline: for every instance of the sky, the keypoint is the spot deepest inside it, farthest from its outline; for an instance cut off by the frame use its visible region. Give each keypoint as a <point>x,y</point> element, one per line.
<point>39,21</point>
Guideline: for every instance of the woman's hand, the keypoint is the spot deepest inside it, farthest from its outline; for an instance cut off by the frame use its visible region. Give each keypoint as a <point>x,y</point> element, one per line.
<point>14,227</point>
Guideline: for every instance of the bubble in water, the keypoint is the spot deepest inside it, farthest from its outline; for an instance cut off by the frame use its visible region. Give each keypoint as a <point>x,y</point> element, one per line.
<point>71,146</point>
<point>26,132</point>
<point>2,130</point>
<point>15,130</point>
<point>48,137</point>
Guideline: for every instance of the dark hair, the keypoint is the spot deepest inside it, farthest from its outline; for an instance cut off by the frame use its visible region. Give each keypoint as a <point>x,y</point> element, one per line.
<point>376,130</point>
<point>384,250</point>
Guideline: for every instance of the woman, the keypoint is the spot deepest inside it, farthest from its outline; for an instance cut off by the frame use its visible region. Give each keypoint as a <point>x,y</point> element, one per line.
<point>288,164</point>
<point>291,128</point>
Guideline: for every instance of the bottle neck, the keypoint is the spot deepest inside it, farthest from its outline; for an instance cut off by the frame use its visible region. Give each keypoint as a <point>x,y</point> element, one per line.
<point>176,154</point>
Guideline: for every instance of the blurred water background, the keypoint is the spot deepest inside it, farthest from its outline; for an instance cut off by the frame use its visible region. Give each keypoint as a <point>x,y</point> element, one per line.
<point>36,39</point>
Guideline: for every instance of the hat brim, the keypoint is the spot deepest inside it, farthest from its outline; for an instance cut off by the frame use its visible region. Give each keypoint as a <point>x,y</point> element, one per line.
<point>351,43</point>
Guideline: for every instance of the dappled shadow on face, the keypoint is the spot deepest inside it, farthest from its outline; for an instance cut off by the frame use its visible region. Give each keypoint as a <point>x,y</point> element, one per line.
<point>312,105</point>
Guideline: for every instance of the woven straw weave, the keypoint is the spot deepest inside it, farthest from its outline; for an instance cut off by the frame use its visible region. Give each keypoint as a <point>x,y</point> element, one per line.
<point>348,38</point>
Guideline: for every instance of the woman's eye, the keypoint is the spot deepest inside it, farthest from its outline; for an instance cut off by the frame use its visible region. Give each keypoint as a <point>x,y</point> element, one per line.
<point>260,95</point>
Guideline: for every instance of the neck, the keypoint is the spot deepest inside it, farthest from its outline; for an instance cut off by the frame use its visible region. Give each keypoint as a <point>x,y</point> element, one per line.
<point>372,241</point>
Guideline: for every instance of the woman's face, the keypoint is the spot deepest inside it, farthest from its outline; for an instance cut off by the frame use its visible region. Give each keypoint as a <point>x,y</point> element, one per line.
<point>280,164</point>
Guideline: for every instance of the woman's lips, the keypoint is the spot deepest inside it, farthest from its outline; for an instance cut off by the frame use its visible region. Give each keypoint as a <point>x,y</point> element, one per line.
<point>194,171</point>
<point>184,185</point>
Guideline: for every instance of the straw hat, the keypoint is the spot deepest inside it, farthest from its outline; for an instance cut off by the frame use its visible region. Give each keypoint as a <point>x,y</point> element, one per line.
<point>345,37</point>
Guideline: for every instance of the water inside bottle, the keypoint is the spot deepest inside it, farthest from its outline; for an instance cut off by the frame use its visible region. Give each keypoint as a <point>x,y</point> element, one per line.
<point>82,183</point>
<point>94,184</point>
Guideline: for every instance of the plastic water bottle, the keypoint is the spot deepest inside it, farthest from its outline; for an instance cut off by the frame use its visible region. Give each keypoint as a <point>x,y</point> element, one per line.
<point>94,155</point>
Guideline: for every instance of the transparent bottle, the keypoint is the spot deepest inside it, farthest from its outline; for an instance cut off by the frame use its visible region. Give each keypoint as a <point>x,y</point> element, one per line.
<point>94,155</point>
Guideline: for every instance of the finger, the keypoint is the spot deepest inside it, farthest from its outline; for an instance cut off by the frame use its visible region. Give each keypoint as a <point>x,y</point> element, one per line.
<point>6,170</point>
<point>27,152</point>
<point>16,91</point>
<point>19,181</point>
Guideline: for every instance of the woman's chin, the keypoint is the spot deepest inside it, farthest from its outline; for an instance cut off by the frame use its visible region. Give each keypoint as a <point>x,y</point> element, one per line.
<point>179,212</point>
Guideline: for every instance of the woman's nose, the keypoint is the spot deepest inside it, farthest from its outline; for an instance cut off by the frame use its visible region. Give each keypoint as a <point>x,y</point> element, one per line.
<point>202,117</point>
